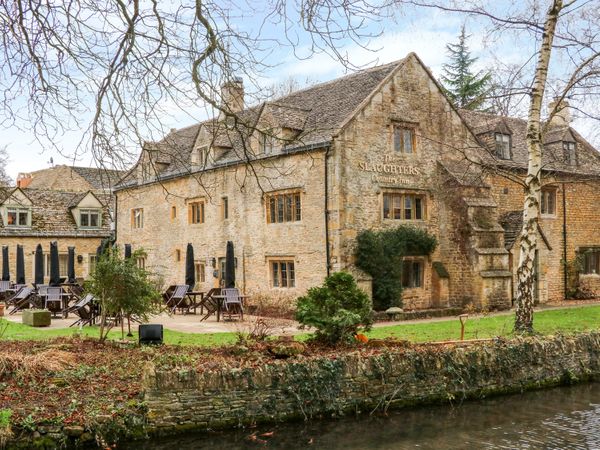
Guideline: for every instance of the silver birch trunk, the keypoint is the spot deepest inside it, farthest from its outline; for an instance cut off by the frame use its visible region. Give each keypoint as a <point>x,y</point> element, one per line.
<point>531,209</point>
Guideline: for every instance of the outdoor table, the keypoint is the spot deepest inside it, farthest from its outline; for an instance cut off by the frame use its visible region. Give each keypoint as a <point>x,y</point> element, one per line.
<point>220,299</point>
<point>191,296</point>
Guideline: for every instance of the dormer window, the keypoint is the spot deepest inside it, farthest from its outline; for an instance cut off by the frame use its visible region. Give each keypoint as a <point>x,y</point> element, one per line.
<point>89,218</point>
<point>18,217</point>
<point>265,143</point>
<point>503,145</point>
<point>199,156</point>
<point>570,153</point>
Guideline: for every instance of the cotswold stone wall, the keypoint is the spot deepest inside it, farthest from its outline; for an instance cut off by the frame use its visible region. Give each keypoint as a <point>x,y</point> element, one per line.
<point>304,388</point>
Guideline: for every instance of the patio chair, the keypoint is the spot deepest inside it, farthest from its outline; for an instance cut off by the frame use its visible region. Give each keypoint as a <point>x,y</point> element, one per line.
<point>5,290</point>
<point>232,303</point>
<point>85,310</point>
<point>23,299</point>
<point>209,303</point>
<point>177,298</point>
<point>53,300</point>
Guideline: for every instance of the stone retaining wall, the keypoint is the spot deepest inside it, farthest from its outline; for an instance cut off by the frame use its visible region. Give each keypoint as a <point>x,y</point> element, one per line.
<point>306,388</point>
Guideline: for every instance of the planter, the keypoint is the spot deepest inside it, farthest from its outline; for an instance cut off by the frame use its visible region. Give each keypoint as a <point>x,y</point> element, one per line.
<point>2,309</point>
<point>36,317</point>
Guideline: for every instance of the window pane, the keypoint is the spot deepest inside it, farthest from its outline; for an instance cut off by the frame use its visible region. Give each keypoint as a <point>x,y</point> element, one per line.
<point>94,219</point>
<point>416,281</point>
<point>284,280</point>
<point>408,207</point>
<point>543,203</point>
<point>279,208</point>
<point>298,207</point>
<point>408,147</point>
<point>63,261</point>
<point>272,213</point>
<point>405,274</point>
<point>23,217</point>
<point>551,202</point>
<point>292,274</point>
<point>397,206</point>
<point>84,218</point>
<point>386,206</point>
<point>288,208</point>
<point>397,139</point>
<point>12,218</point>
<point>418,209</point>
<point>275,274</point>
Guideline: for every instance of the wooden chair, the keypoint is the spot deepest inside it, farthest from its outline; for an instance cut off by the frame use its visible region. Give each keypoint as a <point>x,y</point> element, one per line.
<point>5,290</point>
<point>232,303</point>
<point>177,298</point>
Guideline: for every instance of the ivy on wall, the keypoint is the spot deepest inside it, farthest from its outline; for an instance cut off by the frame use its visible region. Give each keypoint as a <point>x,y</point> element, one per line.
<point>380,253</point>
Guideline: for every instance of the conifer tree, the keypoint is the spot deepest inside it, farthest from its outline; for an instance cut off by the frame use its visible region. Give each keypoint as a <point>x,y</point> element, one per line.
<point>464,88</point>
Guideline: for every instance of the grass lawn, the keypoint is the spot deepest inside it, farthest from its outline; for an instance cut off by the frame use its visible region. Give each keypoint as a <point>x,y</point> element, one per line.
<point>566,320</point>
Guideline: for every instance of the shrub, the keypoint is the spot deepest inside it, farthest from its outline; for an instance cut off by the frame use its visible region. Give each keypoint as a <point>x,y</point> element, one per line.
<point>337,309</point>
<point>380,253</point>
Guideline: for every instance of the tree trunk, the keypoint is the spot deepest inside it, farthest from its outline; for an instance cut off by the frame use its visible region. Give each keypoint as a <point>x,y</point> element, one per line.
<point>531,210</point>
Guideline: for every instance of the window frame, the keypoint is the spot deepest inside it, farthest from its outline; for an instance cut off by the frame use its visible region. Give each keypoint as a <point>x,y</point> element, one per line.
<point>545,195</point>
<point>197,212</point>
<point>173,213</point>
<point>591,257</point>
<point>498,153</point>
<point>224,207</point>
<point>266,142</point>
<point>200,271</point>
<point>284,206</point>
<point>570,153</point>
<point>277,268</point>
<point>63,265</point>
<point>89,212</point>
<point>396,202</point>
<point>18,210</point>
<point>137,218</point>
<point>412,282</point>
<point>399,131</point>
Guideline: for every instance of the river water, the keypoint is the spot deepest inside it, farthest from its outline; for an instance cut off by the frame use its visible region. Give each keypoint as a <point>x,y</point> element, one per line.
<point>560,418</point>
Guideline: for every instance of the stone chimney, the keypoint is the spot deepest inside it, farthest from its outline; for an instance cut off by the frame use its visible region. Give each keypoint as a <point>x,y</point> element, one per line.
<point>232,95</point>
<point>562,117</point>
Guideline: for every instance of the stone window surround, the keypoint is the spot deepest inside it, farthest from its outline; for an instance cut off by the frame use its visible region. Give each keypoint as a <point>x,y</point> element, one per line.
<point>422,261</point>
<point>289,262</point>
<point>283,192</point>
<point>63,264</point>
<point>19,209</point>
<point>137,218</point>
<point>595,260</point>
<point>567,147</point>
<point>224,207</point>
<point>547,194</point>
<point>196,211</point>
<point>200,271</point>
<point>403,191</point>
<point>408,125</point>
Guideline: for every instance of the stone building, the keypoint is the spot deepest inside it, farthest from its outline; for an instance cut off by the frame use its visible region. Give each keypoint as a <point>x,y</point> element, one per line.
<point>70,205</point>
<point>292,182</point>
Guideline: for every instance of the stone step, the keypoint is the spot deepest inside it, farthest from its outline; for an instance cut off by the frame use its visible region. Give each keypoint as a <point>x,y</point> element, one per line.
<point>484,202</point>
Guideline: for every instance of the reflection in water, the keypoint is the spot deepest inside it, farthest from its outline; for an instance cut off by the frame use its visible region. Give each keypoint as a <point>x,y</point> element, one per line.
<point>560,418</point>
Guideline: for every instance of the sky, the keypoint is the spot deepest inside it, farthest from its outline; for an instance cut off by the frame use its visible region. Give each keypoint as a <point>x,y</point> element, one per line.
<point>425,33</point>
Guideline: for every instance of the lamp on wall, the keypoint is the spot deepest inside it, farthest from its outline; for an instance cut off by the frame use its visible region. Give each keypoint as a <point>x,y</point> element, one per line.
<point>79,259</point>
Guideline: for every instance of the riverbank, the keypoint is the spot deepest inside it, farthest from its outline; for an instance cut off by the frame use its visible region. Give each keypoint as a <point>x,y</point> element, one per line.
<point>76,391</point>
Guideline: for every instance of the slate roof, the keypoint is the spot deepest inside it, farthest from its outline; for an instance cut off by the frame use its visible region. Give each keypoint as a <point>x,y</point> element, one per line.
<point>317,112</point>
<point>51,214</point>
<point>512,222</point>
<point>99,178</point>
<point>588,158</point>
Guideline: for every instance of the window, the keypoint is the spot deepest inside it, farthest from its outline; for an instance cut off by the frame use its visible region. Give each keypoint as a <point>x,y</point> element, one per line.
<point>141,263</point>
<point>63,261</point>
<point>89,218</point>
<point>177,255</point>
<point>283,274</point>
<point>225,208</point>
<point>403,206</point>
<point>412,273</point>
<point>503,146</point>
<point>196,212</point>
<point>570,153</point>
<point>591,261</point>
<point>404,139</point>
<point>548,202</point>
<point>265,142</point>
<point>200,271</point>
<point>173,212</point>
<point>91,263</point>
<point>199,156</point>
<point>284,207</point>
<point>17,217</point>
<point>137,218</point>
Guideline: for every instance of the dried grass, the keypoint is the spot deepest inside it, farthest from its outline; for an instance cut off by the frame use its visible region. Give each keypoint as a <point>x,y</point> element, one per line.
<point>20,365</point>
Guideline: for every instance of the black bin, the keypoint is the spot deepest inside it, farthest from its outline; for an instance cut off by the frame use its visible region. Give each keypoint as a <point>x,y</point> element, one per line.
<point>151,333</point>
